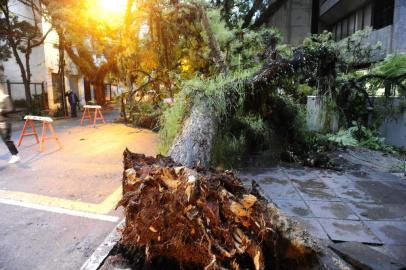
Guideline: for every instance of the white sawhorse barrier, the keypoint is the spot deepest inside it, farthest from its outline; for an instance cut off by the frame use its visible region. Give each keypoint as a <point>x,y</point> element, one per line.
<point>46,122</point>
<point>97,114</point>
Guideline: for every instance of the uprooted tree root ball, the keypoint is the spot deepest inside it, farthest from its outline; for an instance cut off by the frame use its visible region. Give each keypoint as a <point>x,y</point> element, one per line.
<point>206,219</point>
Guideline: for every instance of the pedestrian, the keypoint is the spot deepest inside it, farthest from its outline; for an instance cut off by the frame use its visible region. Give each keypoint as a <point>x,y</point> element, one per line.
<point>6,107</point>
<point>73,102</point>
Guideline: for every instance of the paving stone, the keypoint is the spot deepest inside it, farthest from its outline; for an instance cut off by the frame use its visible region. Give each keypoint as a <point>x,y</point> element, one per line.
<point>328,176</point>
<point>363,257</point>
<point>384,192</point>
<point>374,176</point>
<point>348,230</point>
<point>315,189</point>
<point>368,211</point>
<point>390,232</point>
<point>398,252</point>
<point>294,208</point>
<point>336,210</point>
<point>346,189</point>
<point>313,226</point>
<point>303,174</point>
<point>259,173</point>
<point>353,195</point>
<point>275,189</point>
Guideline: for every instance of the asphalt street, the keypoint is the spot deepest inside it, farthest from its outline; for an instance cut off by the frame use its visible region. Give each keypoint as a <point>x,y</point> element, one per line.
<point>58,206</point>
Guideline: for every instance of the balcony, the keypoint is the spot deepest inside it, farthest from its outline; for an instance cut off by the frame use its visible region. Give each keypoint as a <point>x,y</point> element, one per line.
<point>333,10</point>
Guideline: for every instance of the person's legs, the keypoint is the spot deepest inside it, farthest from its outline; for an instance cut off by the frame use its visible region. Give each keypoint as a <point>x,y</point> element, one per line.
<point>5,131</point>
<point>73,110</point>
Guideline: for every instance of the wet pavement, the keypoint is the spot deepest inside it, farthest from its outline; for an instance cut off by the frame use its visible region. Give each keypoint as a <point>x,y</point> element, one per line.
<point>366,206</point>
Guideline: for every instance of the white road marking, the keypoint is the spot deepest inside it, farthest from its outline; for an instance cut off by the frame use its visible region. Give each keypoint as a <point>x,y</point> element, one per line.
<point>102,251</point>
<point>60,210</point>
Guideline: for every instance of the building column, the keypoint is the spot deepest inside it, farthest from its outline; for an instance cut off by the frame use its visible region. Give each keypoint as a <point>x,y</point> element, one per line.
<point>81,88</point>
<point>399,26</point>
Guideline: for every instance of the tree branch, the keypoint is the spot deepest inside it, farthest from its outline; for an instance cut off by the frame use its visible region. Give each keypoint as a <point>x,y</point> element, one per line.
<point>40,41</point>
<point>268,13</point>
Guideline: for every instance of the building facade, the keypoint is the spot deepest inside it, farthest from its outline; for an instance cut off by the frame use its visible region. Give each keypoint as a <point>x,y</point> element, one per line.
<point>298,19</point>
<point>387,18</point>
<point>44,63</point>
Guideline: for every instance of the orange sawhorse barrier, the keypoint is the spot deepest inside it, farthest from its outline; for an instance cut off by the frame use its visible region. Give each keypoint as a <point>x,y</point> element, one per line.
<point>97,114</point>
<point>46,122</point>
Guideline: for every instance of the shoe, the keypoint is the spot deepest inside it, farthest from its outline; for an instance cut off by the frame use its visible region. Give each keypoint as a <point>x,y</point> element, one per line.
<point>14,159</point>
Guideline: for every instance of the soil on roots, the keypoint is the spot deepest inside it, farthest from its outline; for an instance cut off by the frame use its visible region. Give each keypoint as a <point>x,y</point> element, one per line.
<point>181,218</point>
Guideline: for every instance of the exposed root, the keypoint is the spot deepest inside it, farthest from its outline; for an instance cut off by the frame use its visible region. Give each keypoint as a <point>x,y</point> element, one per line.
<point>205,219</point>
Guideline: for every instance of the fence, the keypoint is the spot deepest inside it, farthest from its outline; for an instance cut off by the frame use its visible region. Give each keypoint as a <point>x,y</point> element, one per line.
<point>16,91</point>
<point>110,90</point>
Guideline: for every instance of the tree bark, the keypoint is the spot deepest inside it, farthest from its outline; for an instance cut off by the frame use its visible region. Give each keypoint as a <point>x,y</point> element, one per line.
<point>99,95</point>
<point>193,147</point>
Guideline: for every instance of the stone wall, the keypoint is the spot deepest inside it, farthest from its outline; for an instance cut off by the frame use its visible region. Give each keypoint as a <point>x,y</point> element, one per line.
<point>294,20</point>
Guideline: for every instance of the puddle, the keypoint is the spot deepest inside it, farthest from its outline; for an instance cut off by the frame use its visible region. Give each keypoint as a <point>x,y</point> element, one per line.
<point>311,184</point>
<point>300,211</point>
<point>338,210</point>
<point>270,180</point>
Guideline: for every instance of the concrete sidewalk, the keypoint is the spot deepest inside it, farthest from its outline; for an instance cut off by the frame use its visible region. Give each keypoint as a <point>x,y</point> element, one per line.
<point>365,207</point>
<point>58,205</point>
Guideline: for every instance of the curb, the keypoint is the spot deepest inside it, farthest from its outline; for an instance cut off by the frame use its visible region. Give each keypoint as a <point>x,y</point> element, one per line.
<point>103,250</point>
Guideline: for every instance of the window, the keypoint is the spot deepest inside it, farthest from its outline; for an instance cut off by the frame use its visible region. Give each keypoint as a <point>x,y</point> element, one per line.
<point>367,16</point>
<point>354,21</point>
<point>382,13</point>
<point>344,28</point>
<point>338,37</point>
<point>351,24</point>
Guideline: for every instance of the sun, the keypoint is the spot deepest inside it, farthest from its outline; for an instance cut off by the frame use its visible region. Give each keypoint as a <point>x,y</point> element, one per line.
<point>112,7</point>
<point>111,12</point>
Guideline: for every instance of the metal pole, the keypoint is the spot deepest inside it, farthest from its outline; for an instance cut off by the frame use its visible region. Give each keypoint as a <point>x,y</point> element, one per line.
<point>43,96</point>
<point>62,72</point>
<point>9,88</point>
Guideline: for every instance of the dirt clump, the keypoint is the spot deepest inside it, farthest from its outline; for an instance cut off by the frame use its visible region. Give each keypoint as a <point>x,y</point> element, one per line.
<point>185,218</point>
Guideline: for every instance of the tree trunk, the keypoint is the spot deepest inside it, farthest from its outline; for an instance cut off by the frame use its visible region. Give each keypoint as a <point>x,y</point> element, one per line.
<point>99,95</point>
<point>193,147</point>
<point>27,91</point>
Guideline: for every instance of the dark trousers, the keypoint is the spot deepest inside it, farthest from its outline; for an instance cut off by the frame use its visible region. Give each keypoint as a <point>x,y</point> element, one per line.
<point>73,110</point>
<point>5,132</point>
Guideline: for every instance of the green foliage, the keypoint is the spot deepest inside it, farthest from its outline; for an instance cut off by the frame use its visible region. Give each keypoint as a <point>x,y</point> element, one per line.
<point>359,135</point>
<point>248,49</point>
<point>394,65</point>
<point>306,90</point>
<point>343,137</point>
<point>356,50</point>
<point>254,122</point>
<point>228,150</point>
<point>191,92</point>
<point>171,121</point>
<point>399,167</point>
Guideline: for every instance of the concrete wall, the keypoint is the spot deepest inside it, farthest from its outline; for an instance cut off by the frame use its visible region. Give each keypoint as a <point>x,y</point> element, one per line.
<point>319,117</point>
<point>393,129</point>
<point>399,29</point>
<point>294,20</point>
<point>38,67</point>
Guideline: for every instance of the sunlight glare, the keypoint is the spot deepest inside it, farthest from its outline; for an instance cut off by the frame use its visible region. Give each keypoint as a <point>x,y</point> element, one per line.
<point>111,12</point>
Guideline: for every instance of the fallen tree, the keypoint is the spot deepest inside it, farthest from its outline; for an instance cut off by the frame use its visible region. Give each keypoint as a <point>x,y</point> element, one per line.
<point>183,218</point>
<point>194,144</point>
